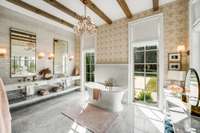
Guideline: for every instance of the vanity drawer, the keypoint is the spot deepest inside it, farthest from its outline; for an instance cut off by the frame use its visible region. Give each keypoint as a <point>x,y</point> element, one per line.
<point>16,96</point>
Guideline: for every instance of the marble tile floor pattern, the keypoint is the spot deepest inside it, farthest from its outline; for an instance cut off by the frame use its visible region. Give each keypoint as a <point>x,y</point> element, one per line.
<point>46,117</point>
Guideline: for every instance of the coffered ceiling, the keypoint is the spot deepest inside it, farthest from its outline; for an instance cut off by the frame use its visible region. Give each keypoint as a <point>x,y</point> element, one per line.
<point>65,13</point>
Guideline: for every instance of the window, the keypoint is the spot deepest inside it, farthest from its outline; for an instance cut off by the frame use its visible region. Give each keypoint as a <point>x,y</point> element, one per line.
<point>146,72</point>
<point>89,66</point>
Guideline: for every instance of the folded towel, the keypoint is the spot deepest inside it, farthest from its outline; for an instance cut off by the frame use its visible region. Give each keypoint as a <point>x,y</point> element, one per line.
<point>96,94</point>
<point>5,117</point>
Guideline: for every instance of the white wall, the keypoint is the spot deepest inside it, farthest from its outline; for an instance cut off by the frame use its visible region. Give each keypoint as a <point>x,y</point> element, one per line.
<point>117,72</point>
<point>195,51</point>
<point>45,33</point>
<point>194,17</point>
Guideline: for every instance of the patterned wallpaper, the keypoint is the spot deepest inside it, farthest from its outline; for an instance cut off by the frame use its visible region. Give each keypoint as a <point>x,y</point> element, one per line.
<point>112,43</point>
<point>112,40</point>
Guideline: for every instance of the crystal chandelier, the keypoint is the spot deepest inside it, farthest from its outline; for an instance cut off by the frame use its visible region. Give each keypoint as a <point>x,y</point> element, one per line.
<point>85,25</point>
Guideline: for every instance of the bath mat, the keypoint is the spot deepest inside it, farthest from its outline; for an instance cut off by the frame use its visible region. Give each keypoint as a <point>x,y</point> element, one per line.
<point>93,118</point>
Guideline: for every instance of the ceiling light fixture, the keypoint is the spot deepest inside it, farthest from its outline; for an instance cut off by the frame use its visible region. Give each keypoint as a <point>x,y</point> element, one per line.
<point>181,48</point>
<point>85,24</point>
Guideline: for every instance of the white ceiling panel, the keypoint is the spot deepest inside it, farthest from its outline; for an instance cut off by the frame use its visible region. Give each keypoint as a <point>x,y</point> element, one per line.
<point>25,12</point>
<point>78,7</point>
<point>111,8</point>
<point>137,6</point>
<point>51,10</point>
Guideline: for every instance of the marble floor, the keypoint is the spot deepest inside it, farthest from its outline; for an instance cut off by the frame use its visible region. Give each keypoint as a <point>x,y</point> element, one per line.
<point>46,117</point>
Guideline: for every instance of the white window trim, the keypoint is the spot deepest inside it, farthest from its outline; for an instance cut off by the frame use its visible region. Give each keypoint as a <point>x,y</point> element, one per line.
<point>82,60</point>
<point>161,59</point>
<point>85,52</point>
<point>144,44</point>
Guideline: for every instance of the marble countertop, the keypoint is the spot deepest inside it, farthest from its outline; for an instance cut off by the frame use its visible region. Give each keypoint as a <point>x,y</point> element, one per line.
<point>182,120</point>
<point>19,85</point>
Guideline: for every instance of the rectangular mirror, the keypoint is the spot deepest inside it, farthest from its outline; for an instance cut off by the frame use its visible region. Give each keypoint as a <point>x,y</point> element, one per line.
<point>60,57</point>
<point>22,53</point>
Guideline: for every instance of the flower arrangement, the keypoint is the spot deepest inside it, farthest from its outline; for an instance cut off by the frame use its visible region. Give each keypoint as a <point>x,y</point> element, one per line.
<point>109,84</point>
<point>46,74</point>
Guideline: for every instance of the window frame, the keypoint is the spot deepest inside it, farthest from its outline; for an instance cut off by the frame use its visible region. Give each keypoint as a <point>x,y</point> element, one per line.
<point>144,71</point>
<point>91,54</point>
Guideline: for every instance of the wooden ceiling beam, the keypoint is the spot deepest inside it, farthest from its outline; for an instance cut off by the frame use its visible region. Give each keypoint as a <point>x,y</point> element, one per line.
<point>124,6</point>
<point>95,9</point>
<point>63,8</point>
<point>155,5</point>
<point>40,12</point>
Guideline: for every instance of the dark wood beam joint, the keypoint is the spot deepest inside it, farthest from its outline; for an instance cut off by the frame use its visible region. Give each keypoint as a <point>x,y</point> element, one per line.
<point>95,9</point>
<point>124,6</point>
<point>155,5</point>
<point>63,8</point>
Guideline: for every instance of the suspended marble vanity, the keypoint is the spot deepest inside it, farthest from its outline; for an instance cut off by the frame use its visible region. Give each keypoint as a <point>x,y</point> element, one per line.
<point>32,86</point>
<point>26,93</point>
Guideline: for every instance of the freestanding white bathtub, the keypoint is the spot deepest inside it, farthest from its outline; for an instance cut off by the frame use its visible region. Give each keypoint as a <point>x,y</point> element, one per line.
<point>110,99</point>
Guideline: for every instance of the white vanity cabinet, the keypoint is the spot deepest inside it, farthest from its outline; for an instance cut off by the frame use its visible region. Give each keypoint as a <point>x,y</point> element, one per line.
<point>27,91</point>
<point>194,26</point>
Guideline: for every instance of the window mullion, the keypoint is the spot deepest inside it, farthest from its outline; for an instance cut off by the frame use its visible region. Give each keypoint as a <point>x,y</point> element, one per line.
<point>145,72</point>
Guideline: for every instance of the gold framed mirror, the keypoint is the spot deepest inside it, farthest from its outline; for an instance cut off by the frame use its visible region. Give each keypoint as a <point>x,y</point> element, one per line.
<point>22,53</point>
<point>61,61</point>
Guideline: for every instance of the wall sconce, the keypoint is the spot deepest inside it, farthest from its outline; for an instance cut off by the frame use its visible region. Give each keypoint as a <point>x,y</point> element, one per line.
<point>50,56</point>
<point>71,57</point>
<point>2,52</point>
<point>41,55</point>
<point>181,48</point>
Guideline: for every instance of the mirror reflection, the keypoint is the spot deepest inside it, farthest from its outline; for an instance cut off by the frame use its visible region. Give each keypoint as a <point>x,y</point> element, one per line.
<point>23,53</point>
<point>192,87</point>
<point>60,57</point>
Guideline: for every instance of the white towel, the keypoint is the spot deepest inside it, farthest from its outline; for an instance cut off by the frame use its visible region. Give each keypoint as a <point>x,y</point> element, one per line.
<point>5,117</point>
